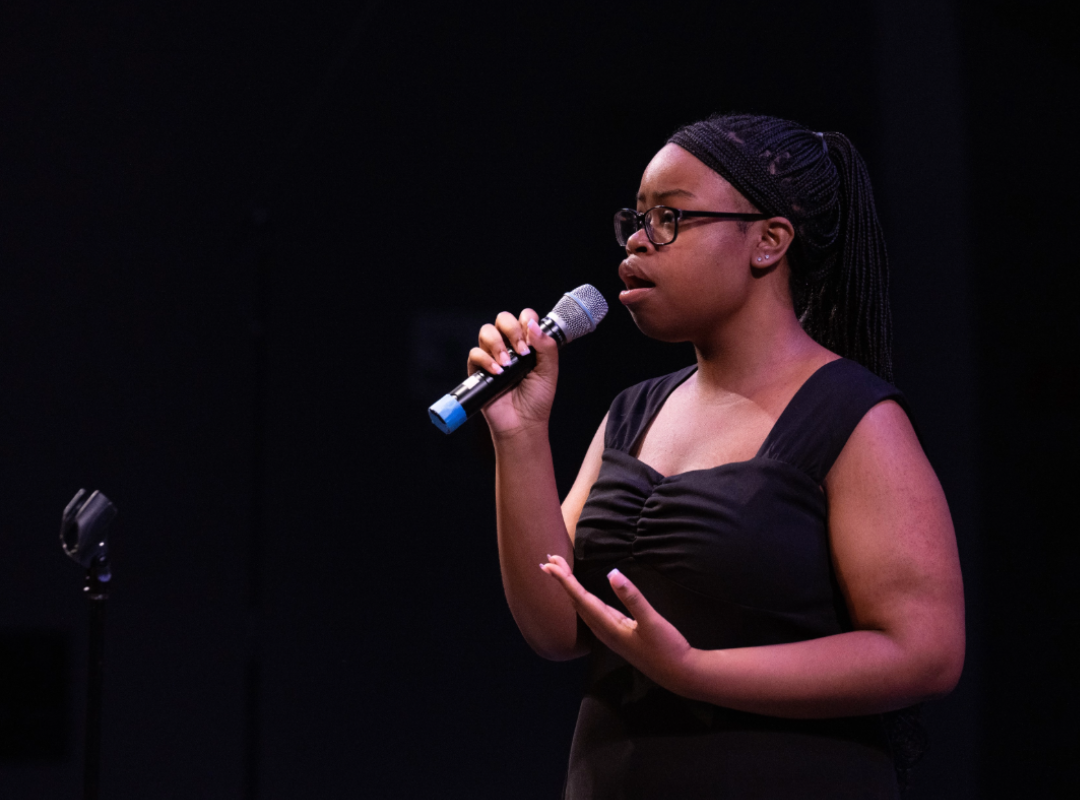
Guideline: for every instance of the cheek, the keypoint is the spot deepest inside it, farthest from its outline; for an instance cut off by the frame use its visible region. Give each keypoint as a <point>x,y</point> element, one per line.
<point>708,285</point>
<point>688,304</point>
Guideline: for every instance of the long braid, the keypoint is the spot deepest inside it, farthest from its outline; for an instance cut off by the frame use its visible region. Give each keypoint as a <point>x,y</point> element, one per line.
<point>819,182</point>
<point>866,334</point>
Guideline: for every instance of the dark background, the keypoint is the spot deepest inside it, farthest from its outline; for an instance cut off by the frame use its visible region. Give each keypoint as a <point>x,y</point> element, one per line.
<point>244,245</point>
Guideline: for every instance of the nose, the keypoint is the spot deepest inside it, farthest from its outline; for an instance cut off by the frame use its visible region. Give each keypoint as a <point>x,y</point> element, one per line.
<point>639,242</point>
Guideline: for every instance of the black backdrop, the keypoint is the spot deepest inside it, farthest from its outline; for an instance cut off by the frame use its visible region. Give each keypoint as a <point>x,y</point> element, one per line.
<point>244,246</point>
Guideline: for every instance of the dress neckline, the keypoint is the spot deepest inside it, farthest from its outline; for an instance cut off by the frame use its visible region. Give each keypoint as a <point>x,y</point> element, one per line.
<point>636,444</point>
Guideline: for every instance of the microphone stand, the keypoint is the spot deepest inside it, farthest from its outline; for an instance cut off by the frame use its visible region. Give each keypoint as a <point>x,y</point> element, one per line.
<point>83,530</point>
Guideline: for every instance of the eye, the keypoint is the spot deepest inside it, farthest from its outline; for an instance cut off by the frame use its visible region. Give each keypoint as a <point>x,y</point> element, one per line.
<point>662,221</point>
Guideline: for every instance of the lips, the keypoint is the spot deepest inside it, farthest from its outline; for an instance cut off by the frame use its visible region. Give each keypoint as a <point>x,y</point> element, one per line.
<point>637,283</point>
<point>633,276</point>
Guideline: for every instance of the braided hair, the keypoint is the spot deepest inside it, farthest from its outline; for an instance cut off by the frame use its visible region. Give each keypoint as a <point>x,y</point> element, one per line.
<point>819,182</point>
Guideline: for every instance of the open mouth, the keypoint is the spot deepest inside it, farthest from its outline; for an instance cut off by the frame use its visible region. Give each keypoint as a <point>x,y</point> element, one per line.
<point>634,282</point>
<point>636,290</point>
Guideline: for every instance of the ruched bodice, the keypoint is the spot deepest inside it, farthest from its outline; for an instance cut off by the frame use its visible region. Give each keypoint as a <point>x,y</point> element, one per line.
<point>733,556</point>
<point>717,539</point>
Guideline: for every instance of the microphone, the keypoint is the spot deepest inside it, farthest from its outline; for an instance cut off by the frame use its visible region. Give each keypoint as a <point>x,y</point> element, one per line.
<point>577,313</point>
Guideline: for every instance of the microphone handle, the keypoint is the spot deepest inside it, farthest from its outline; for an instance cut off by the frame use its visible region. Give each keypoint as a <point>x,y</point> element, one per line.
<point>450,411</point>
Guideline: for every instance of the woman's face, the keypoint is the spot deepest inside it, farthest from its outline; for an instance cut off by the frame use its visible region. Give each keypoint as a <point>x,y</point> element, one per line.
<point>681,291</point>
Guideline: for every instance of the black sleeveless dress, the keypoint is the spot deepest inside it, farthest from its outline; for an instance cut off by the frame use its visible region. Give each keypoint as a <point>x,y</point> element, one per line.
<point>733,556</point>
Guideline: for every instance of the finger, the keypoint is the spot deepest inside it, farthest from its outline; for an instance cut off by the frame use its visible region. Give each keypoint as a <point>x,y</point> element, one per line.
<point>536,337</point>
<point>492,341</point>
<point>561,563</point>
<point>512,331</point>
<point>633,599</point>
<point>481,359</point>
<point>526,316</point>
<point>591,608</point>
<point>561,573</point>
<point>617,617</point>
<point>558,569</point>
<point>598,615</point>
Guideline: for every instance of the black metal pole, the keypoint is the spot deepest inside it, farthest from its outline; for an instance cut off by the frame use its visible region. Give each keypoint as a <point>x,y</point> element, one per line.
<point>97,592</point>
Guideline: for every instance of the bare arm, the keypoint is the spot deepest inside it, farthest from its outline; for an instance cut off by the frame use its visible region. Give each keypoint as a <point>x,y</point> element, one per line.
<point>896,561</point>
<point>531,524</point>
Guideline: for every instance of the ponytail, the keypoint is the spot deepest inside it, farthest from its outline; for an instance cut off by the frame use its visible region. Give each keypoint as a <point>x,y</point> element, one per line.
<point>848,309</point>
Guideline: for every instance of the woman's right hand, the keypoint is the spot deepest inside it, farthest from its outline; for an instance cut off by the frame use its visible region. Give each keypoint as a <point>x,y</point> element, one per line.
<point>527,405</point>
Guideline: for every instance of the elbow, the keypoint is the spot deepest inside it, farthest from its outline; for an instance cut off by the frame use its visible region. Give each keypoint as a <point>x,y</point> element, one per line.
<point>940,672</point>
<point>558,655</point>
<point>556,648</point>
<point>948,673</point>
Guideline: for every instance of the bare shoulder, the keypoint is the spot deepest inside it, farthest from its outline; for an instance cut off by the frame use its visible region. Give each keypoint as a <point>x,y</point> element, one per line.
<point>882,491</point>
<point>884,441</point>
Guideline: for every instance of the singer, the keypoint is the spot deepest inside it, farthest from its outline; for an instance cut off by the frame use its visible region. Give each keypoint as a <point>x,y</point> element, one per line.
<point>756,556</point>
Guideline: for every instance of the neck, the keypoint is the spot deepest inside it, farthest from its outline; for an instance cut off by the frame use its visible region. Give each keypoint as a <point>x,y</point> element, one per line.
<point>762,346</point>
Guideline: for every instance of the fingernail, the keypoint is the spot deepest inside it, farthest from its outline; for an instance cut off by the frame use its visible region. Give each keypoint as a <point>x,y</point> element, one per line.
<point>523,349</point>
<point>549,556</point>
<point>496,369</point>
<point>616,577</point>
<point>504,359</point>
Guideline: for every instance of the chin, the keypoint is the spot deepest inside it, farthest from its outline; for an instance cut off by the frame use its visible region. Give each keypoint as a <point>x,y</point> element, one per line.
<point>662,330</point>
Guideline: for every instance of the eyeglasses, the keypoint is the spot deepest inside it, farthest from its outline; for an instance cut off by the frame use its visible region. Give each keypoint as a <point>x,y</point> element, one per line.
<point>661,223</point>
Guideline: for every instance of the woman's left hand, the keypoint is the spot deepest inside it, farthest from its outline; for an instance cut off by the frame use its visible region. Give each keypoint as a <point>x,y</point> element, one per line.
<point>646,640</point>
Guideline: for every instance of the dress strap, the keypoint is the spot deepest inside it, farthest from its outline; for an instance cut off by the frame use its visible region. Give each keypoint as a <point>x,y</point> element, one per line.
<point>816,424</point>
<point>634,408</point>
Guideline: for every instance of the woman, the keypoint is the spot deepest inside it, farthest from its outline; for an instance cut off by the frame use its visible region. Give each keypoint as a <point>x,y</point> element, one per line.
<point>756,554</point>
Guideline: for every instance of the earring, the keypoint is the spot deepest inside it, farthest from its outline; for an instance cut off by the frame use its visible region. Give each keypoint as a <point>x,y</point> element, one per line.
<point>766,258</point>
<point>759,258</point>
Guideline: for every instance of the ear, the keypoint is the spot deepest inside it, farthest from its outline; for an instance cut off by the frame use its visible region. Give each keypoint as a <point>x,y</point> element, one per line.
<point>776,235</point>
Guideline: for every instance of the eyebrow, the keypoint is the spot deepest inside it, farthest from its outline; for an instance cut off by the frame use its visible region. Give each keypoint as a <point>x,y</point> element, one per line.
<point>668,193</point>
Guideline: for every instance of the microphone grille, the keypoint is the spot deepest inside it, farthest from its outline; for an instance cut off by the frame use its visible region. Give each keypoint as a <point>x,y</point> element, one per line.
<point>580,311</point>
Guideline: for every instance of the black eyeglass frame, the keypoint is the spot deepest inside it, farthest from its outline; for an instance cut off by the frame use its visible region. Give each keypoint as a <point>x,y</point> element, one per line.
<point>680,214</point>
